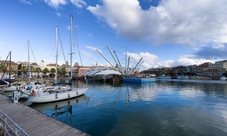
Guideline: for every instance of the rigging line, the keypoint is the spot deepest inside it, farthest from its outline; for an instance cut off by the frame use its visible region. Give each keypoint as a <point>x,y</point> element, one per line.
<point>78,48</point>
<point>32,53</point>
<point>80,55</point>
<point>62,48</point>
<point>5,67</point>
<point>36,62</point>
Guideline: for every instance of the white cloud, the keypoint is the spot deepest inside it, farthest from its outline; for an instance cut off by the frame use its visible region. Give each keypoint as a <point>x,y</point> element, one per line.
<point>55,3</point>
<point>153,61</point>
<point>78,3</point>
<point>93,48</point>
<point>149,60</point>
<point>89,55</point>
<point>26,2</point>
<point>176,21</point>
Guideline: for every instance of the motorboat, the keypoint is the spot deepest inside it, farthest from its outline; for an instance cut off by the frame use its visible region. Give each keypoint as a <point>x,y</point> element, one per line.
<point>223,78</point>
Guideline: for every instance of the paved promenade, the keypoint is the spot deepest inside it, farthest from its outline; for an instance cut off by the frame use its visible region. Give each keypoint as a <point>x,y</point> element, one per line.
<point>35,123</point>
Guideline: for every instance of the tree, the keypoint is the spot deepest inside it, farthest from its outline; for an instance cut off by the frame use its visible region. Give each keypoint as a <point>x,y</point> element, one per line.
<point>63,71</point>
<point>58,71</point>
<point>38,69</point>
<point>45,71</point>
<point>31,69</point>
<point>52,71</point>
<point>24,70</point>
<point>2,67</point>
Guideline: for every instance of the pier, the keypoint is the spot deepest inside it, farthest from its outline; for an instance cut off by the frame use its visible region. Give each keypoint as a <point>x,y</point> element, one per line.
<point>35,123</point>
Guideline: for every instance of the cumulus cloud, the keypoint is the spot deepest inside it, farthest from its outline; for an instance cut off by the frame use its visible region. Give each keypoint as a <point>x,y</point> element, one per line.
<point>149,60</point>
<point>55,3</point>
<point>153,61</point>
<point>176,21</point>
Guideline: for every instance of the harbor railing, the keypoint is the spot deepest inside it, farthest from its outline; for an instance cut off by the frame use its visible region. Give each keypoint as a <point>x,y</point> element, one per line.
<point>8,127</point>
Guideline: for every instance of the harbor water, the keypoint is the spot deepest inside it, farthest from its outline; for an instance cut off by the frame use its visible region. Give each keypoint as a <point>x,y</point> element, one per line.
<point>161,108</point>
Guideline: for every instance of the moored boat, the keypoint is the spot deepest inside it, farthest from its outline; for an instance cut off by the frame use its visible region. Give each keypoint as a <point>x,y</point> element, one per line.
<point>163,76</point>
<point>223,78</point>
<point>57,94</point>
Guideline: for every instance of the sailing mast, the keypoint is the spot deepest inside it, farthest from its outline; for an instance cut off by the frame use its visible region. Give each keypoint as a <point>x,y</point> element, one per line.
<point>71,19</point>
<point>28,63</point>
<point>10,68</point>
<point>56,72</point>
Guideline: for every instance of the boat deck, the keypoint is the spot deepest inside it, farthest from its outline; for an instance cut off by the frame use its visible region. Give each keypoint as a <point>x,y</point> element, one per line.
<point>35,123</point>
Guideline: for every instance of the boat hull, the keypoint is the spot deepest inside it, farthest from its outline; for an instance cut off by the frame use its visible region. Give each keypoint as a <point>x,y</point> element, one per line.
<point>44,97</point>
<point>10,89</point>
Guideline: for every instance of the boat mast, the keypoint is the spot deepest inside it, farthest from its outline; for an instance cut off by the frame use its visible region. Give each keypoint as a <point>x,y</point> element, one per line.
<point>56,67</point>
<point>28,63</point>
<point>10,68</point>
<point>71,19</point>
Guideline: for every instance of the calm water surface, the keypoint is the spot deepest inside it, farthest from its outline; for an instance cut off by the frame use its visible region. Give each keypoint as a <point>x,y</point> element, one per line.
<point>163,108</point>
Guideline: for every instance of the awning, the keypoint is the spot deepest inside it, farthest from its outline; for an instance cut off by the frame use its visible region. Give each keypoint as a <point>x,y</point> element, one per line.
<point>108,72</point>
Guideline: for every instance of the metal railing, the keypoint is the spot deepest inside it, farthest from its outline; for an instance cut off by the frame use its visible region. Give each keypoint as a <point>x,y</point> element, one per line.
<point>9,127</point>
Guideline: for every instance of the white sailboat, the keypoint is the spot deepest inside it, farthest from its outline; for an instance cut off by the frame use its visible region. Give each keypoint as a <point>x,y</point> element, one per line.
<point>57,86</point>
<point>53,95</point>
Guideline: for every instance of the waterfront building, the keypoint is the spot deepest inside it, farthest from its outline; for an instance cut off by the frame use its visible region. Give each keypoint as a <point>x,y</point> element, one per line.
<point>219,64</point>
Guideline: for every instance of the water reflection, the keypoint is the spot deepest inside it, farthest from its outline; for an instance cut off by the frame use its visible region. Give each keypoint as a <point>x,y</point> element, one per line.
<point>62,110</point>
<point>159,108</point>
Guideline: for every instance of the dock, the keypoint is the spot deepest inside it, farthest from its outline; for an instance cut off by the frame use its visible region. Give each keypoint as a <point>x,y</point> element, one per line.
<point>35,123</point>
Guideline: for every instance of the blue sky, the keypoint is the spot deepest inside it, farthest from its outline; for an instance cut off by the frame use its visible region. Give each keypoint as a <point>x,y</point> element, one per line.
<point>164,33</point>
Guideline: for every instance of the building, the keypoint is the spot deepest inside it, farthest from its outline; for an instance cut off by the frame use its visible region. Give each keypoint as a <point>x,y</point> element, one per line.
<point>219,64</point>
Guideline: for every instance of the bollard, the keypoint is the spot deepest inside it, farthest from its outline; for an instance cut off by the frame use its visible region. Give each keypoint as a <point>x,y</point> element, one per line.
<point>15,96</point>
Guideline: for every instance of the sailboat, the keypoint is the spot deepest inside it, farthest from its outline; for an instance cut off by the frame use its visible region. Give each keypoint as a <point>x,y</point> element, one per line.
<point>9,87</point>
<point>53,95</point>
<point>58,85</point>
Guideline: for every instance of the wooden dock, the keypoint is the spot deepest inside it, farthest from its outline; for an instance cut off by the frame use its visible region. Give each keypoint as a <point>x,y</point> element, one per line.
<point>35,123</point>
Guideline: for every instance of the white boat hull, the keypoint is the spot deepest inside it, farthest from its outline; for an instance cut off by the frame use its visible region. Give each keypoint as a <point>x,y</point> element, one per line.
<point>44,97</point>
<point>10,89</point>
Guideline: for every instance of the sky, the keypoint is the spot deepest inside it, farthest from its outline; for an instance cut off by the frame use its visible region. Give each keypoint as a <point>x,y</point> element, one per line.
<point>164,33</point>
